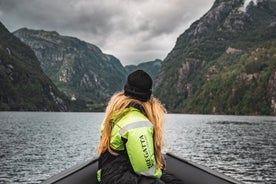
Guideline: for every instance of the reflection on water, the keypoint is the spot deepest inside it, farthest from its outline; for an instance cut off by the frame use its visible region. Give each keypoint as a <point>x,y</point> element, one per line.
<point>34,146</point>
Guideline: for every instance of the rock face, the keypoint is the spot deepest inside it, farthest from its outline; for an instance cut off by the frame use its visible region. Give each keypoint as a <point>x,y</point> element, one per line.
<point>79,69</point>
<point>223,63</point>
<point>272,91</point>
<point>24,86</point>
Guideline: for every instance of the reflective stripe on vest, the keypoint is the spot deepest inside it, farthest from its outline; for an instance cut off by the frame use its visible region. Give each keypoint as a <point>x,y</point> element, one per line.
<point>139,124</point>
<point>149,172</point>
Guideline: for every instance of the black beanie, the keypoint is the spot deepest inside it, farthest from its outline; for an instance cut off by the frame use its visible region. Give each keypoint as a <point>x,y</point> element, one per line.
<point>138,85</point>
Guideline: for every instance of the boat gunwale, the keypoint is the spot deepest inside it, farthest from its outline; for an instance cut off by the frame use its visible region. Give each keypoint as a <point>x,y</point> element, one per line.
<point>206,169</point>
<point>70,171</point>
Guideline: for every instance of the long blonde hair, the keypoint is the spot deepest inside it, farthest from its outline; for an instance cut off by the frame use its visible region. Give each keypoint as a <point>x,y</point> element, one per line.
<point>154,111</point>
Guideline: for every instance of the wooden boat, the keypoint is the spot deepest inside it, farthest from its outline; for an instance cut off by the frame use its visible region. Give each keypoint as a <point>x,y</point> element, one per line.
<point>189,172</point>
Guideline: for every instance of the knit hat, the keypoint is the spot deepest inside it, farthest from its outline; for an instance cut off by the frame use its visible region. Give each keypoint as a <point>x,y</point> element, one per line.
<point>138,85</point>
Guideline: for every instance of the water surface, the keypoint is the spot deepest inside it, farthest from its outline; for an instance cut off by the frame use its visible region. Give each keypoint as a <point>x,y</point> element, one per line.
<point>36,145</point>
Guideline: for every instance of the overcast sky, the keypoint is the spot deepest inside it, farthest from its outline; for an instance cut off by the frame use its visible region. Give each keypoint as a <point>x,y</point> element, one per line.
<point>134,31</point>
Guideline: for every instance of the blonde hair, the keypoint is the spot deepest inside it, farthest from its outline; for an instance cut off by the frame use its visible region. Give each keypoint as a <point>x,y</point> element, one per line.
<point>154,111</point>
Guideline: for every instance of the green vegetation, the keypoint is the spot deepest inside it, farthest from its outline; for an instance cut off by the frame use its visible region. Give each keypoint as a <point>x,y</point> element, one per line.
<point>237,88</point>
<point>224,63</point>
<point>78,69</point>
<point>23,84</point>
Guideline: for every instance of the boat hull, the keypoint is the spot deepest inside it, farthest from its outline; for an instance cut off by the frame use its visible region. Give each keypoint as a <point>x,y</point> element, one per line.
<point>187,171</point>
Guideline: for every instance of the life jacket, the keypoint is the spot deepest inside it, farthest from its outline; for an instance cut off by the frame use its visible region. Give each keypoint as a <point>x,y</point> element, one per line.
<point>132,138</point>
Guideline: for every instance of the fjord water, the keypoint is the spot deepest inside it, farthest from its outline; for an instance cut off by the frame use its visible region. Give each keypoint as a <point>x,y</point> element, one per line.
<point>37,145</point>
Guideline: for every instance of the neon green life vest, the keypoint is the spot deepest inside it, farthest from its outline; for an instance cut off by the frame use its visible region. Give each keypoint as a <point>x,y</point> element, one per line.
<point>135,127</point>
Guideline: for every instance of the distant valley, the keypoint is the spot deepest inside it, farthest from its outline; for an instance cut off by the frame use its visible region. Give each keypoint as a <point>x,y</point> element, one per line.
<point>86,75</point>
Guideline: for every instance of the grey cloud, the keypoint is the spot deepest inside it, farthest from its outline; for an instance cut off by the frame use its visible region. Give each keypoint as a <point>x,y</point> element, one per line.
<point>130,30</point>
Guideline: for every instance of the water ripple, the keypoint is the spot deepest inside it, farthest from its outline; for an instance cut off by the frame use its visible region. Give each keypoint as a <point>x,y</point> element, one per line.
<point>35,146</point>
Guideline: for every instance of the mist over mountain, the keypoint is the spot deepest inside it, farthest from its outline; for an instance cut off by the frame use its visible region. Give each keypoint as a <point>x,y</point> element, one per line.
<point>224,63</point>
<point>24,86</point>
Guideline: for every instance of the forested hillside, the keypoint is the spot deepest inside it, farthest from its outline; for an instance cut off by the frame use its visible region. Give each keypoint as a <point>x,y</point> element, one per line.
<point>225,63</point>
<point>79,69</point>
<point>24,86</point>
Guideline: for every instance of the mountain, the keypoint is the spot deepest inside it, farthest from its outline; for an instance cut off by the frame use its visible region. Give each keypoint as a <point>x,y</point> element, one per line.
<point>24,86</point>
<point>79,69</point>
<point>151,67</point>
<point>224,63</point>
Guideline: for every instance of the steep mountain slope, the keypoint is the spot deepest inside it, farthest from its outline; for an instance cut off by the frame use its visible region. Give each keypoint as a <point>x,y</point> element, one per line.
<point>224,63</point>
<point>78,68</point>
<point>24,86</point>
<point>151,67</point>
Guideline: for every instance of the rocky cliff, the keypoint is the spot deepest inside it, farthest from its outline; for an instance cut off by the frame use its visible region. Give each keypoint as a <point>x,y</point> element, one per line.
<point>224,63</point>
<point>79,69</point>
<point>24,86</point>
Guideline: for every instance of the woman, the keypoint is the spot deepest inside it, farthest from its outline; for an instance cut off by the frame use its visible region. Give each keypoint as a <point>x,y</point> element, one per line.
<point>131,135</point>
